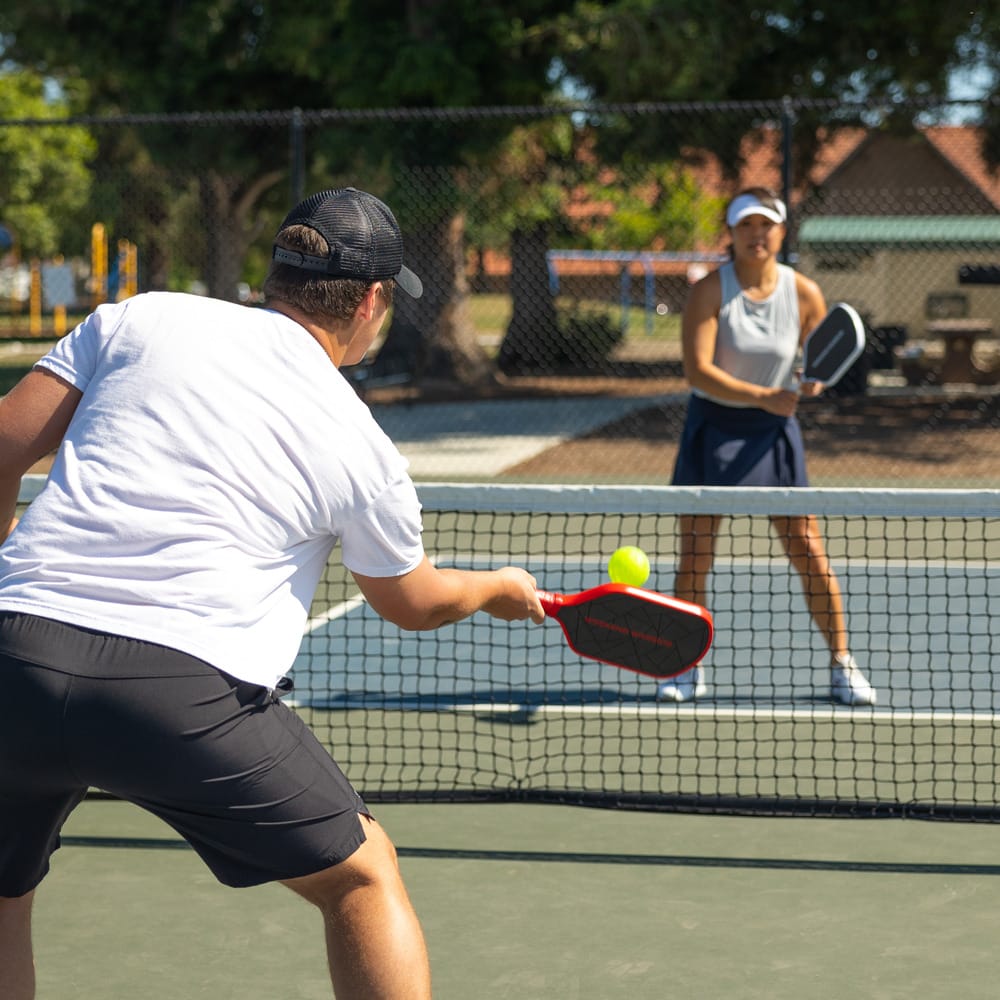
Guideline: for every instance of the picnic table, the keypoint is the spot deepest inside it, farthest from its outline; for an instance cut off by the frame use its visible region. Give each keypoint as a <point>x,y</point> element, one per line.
<point>960,337</point>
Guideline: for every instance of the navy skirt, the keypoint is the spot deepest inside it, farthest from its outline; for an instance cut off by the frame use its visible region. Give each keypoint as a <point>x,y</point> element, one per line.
<point>738,446</point>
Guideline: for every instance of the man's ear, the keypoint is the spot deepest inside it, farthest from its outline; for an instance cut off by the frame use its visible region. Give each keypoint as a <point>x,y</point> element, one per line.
<point>370,303</point>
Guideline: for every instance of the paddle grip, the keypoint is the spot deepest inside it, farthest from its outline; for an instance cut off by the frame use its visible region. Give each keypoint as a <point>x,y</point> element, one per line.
<point>550,601</point>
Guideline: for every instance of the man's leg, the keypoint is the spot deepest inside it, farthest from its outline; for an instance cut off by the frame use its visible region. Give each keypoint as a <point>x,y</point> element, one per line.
<point>16,959</point>
<point>374,942</point>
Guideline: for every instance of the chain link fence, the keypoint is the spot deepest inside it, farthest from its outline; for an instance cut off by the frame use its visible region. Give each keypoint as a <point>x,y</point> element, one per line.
<point>557,246</point>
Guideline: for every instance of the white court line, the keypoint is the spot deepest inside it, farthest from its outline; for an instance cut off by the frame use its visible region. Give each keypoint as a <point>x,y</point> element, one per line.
<point>761,713</point>
<point>333,612</point>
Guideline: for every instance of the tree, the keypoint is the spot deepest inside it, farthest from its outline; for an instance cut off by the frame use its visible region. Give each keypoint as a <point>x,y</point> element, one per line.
<point>518,202</point>
<point>543,172</point>
<point>230,55</point>
<point>429,56</point>
<point>44,181</point>
<point>830,51</point>
<point>980,48</point>
<point>139,58</point>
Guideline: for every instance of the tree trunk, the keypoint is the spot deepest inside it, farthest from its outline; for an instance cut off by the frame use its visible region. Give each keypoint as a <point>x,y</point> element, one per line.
<point>531,342</point>
<point>228,206</point>
<point>433,337</point>
<point>225,245</point>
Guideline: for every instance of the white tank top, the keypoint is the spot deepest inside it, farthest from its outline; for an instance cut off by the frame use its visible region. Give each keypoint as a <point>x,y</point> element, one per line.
<point>757,342</point>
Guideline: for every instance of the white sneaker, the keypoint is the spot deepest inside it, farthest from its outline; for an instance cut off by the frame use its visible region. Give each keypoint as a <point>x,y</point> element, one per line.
<point>684,687</point>
<point>848,684</point>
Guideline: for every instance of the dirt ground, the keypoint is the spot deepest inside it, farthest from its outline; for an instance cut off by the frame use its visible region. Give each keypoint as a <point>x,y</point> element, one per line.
<point>898,439</point>
<point>924,437</point>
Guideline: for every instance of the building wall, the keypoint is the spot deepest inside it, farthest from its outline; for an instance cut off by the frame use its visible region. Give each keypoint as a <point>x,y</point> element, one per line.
<point>892,286</point>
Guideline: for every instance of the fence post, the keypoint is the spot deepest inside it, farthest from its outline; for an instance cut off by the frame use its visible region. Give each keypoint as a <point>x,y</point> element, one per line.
<point>297,165</point>
<point>787,124</point>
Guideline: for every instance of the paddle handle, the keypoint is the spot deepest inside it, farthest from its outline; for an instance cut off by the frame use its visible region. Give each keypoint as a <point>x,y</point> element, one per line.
<point>550,601</point>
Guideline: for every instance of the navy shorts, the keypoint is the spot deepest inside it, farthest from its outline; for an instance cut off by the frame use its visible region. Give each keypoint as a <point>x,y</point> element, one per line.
<point>738,446</point>
<point>225,763</point>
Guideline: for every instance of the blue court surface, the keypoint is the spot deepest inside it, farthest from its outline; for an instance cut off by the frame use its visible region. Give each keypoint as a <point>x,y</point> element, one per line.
<point>921,631</point>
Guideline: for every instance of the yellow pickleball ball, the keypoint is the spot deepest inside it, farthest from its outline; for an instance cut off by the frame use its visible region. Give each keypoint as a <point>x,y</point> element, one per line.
<point>629,565</point>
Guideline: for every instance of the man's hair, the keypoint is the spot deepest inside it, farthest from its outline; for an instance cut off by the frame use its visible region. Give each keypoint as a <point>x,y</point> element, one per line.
<point>320,297</point>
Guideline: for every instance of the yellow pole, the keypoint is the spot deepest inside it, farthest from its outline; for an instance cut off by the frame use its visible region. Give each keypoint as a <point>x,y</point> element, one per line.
<point>133,268</point>
<point>98,264</point>
<point>127,268</point>
<point>35,300</point>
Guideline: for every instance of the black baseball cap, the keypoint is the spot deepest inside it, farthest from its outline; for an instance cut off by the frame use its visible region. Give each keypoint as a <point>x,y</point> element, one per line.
<point>363,234</point>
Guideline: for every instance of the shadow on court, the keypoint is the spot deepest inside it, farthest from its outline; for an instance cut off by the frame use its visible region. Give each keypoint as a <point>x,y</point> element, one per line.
<point>529,901</point>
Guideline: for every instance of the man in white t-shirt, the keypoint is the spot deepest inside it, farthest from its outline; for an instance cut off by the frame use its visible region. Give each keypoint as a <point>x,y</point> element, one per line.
<point>152,597</point>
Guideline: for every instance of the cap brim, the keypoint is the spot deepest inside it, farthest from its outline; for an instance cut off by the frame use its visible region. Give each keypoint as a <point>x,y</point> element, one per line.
<point>409,282</point>
<point>750,204</point>
<point>768,213</point>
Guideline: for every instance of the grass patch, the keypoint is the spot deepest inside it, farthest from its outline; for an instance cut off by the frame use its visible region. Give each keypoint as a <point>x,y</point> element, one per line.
<point>491,315</point>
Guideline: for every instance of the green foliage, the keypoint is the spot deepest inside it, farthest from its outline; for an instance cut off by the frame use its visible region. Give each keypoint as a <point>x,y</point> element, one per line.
<point>586,337</point>
<point>724,50</point>
<point>541,167</point>
<point>255,55</point>
<point>230,55</point>
<point>657,208</point>
<point>44,178</point>
<point>581,341</point>
<point>524,183</point>
<point>729,50</point>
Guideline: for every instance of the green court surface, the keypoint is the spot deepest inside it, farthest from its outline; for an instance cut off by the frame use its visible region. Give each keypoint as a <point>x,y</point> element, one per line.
<point>531,901</point>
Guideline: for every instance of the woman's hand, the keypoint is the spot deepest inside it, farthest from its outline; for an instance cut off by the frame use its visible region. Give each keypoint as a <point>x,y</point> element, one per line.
<point>809,390</point>
<point>781,402</point>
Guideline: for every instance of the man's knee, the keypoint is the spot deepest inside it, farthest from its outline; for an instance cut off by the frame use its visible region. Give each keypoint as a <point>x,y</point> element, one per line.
<point>15,914</point>
<point>15,903</point>
<point>373,863</point>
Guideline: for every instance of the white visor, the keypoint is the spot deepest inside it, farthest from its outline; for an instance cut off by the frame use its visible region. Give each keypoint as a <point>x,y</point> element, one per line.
<point>750,204</point>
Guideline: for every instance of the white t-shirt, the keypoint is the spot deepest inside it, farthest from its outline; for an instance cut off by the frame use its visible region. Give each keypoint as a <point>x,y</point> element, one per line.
<point>214,461</point>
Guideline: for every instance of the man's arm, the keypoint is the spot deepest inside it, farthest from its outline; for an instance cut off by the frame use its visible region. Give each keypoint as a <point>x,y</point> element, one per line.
<point>428,597</point>
<point>34,416</point>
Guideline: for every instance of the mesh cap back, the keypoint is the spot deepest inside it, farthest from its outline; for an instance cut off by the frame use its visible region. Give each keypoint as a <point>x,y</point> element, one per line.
<point>363,235</point>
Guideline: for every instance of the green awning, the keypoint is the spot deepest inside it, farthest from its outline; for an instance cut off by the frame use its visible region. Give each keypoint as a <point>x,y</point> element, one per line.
<point>901,230</point>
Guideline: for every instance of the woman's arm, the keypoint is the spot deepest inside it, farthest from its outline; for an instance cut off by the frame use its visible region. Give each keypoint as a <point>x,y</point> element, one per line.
<point>812,305</point>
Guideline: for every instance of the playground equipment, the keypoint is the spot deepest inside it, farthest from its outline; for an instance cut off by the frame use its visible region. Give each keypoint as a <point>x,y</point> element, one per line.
<point>52,284</point>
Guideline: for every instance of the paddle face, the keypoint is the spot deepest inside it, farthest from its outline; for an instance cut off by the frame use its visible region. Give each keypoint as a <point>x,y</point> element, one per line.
<point>636,629</point>
<point>833,346</point>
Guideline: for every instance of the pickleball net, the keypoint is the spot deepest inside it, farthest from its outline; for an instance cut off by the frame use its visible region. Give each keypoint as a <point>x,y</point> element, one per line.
<point>488,710</point>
